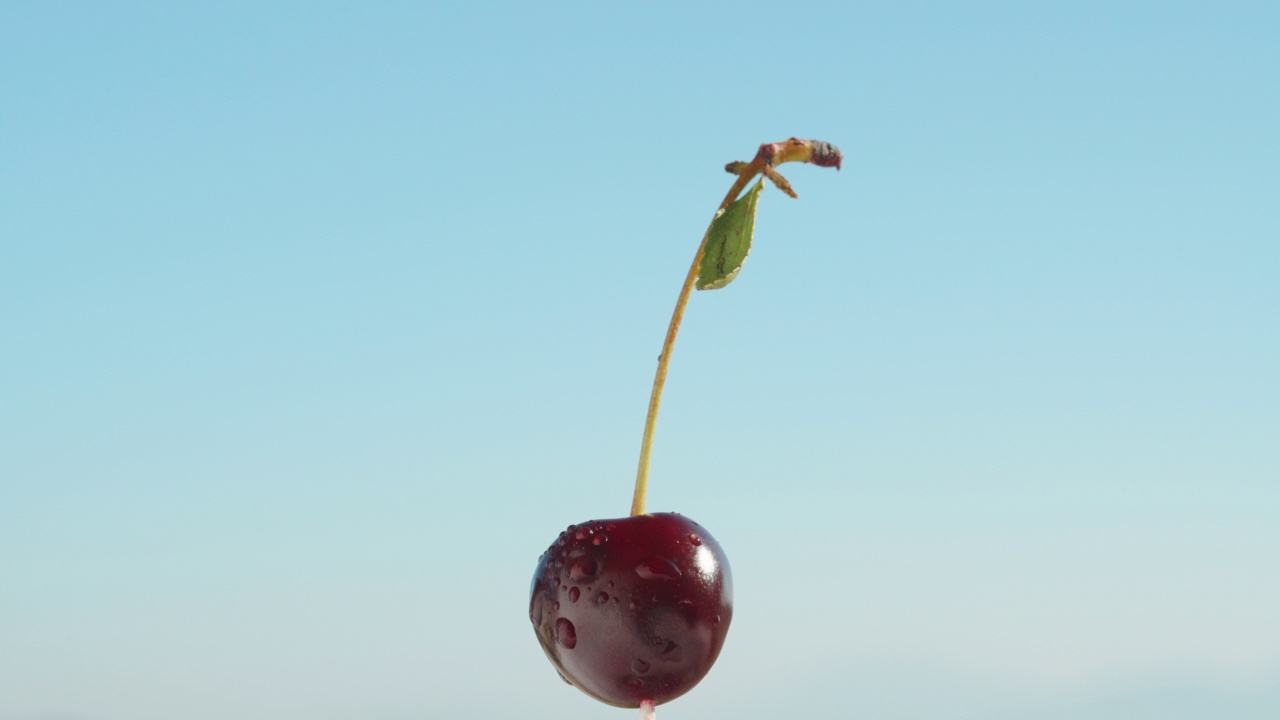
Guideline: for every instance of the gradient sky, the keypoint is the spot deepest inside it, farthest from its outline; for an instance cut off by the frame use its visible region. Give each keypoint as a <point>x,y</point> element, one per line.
<point>319,321</point>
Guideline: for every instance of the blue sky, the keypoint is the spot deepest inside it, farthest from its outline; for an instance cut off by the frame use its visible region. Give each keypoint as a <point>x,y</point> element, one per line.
<point>320,321</point>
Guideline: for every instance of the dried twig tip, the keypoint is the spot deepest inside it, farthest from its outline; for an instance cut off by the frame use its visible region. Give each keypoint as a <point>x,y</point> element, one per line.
<point>825,154</point>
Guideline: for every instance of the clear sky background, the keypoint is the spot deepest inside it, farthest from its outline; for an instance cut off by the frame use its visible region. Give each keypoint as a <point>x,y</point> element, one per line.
<point>318,322</point>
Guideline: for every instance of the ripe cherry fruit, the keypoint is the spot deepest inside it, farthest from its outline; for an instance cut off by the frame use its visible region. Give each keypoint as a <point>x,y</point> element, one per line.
<point>634,609</point>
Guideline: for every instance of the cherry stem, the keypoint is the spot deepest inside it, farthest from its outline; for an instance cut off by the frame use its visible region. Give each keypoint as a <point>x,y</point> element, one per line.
<point>767,157</point>
<point>647,711</point>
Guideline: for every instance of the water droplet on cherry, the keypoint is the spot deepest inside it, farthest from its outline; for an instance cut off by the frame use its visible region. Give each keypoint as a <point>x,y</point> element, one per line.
<point>535,613</point>
<point>639,666</point>
<point>566,635</point>
<point>658,568</point>
<point>574,594</point>
<point>602,598</point>
<point>693,538</point>
<point>582,568</point>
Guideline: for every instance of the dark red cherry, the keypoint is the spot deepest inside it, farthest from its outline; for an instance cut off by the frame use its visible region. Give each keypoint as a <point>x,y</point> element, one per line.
<point>633,609</point>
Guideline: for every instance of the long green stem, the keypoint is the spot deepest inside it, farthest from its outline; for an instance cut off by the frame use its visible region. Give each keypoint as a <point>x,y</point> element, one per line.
<point>767,158</point>
<point>660,378</point>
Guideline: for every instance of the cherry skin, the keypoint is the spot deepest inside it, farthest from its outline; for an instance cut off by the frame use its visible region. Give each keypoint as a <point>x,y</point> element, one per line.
<point>633,609</point>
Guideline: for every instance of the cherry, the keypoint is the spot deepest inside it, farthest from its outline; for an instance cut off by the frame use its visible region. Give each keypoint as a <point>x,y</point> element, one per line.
<point>634,609</point>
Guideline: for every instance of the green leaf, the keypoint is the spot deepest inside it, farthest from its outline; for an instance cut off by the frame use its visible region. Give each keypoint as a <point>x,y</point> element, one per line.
<point>729,241</point>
